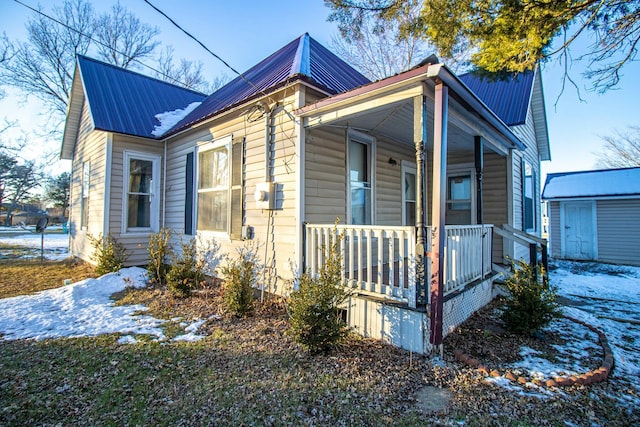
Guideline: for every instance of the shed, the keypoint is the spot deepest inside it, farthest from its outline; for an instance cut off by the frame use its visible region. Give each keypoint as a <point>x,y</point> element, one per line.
<point>594,215</point>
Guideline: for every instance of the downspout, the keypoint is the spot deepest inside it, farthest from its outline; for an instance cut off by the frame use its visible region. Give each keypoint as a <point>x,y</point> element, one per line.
<point>107,185</point>
<point>267,143</point>
<point>163,192</point>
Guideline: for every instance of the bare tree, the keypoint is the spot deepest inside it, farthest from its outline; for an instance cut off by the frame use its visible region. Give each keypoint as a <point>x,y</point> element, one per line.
<point>43,66</point>
<point>378,48</point>
<point>621,150</point>
<point>185,73</point>
<point>122,38</point>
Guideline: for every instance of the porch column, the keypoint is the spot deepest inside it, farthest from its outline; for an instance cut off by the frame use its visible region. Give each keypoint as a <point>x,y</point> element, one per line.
<point>439,200</point>
<point>420,138</point>
<point>479,163</point>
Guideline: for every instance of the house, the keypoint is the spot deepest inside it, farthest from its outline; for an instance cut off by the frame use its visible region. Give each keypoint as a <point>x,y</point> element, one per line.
<point>593,215</point>
<point>417,166</point>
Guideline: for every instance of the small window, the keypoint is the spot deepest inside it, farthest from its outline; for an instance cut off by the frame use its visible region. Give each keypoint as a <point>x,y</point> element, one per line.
<point>84,203</point>
<point>528,197</point>
<point>459,193</point>
<point>409,194</point>
<point>141,192</point>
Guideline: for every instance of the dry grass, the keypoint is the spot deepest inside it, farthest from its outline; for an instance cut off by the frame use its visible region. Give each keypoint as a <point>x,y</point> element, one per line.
<point>23,277</point>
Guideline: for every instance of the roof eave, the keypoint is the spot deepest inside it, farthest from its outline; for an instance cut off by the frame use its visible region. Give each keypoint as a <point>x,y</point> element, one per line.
<point>442,72</point>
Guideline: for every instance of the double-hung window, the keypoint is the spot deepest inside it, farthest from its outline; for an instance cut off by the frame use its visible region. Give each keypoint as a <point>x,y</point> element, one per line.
<point>360,167</point>
<point>142,204</point>
<point>213,186</point>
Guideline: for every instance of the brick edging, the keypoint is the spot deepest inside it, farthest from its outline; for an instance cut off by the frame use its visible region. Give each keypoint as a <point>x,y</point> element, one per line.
<point>591,377</point>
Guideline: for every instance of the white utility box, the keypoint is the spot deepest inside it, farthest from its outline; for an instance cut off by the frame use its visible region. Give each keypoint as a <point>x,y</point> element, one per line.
<point>265,195</point>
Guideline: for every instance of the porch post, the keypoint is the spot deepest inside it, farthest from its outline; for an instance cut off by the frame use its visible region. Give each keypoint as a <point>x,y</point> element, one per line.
<point>420,139</point>
<point>439,200</point>
<point>479,163</point>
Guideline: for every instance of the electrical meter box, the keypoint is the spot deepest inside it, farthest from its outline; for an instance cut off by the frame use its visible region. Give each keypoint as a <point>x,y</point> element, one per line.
<point>265,195</point>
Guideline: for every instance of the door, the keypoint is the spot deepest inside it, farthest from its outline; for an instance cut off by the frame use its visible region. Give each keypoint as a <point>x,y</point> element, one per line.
<point>578,230</point>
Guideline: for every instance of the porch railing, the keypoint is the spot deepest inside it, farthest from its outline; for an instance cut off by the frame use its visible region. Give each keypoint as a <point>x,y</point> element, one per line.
<point>467,255</point>
<point>376,260</point>
<point>380,260</point>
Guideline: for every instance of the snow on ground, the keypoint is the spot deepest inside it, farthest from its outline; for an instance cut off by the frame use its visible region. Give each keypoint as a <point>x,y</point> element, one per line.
<point>56,246</point>
<point>605,296</point>
<point>80,309</point>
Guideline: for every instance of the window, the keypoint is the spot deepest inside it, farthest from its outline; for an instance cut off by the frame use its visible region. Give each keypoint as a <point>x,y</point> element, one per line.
<point>84,203</point>
<point>141,201</point>
<point>460,196</point>
<point>528,197</point>
<point>360,176</point>
<point>408,193</point>
<point>213,186</point>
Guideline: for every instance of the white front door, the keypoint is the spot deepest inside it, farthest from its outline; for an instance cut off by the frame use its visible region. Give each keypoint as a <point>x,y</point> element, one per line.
<point>578,230</point>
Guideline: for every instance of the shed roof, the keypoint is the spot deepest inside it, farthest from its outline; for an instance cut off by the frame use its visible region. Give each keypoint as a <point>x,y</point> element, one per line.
<point>592,184</point>
<point>303,58</point>
<point>126,102</point>
<point>509,97</point>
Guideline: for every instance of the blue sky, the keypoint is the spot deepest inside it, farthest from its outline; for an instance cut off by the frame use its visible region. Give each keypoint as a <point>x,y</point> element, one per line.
<point>244,32</point>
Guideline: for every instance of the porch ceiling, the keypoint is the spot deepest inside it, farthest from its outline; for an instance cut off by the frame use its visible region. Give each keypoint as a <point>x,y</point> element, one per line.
<point>395,122</point>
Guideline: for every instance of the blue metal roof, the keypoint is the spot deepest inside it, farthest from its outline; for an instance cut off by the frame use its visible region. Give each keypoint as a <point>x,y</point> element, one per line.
<point>303,58</point>
<point>126,102</point>
<point>508,98</point>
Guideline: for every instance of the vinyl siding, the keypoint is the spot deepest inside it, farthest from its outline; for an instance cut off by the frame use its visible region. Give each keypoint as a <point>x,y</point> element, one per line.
<point>326,185</point>
<point>90,146</point>
<point>135,243</point>
<point>618,231</point>
<point>554,229</point>
<point>275,231</point>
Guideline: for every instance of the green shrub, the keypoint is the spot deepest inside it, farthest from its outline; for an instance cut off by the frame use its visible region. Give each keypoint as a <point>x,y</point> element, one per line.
<point>190,269</point>
<point>240,275</point>
<point>185,274</point>
<point>160,253</point>
<point>109,254</point>
<point>531,304</point>
<point>315,306</point>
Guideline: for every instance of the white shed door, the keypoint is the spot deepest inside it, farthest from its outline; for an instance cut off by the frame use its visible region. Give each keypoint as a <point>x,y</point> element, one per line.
<point>578,230</point>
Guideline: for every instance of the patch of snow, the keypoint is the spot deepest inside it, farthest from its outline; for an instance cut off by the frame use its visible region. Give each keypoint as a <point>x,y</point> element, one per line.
<point>190,337</point>
<point>194,326</point>
<point>78,310</point>
<point>608,182</point>
<point>127,339</point>
<point>168,119</point>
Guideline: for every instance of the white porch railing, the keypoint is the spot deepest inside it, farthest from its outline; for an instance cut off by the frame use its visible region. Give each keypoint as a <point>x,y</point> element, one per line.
<point>377,260</point>
<point>467,255</point>
<point>380,260</point>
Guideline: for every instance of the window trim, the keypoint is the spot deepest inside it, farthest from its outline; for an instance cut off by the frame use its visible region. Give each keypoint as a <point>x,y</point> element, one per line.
<point>459,170</point>
<point>85,191</point>
<point>533,212</point>
<point>154,195</point>
<point>408,167</point>
<point>203,146</point>
<point>370,141</point>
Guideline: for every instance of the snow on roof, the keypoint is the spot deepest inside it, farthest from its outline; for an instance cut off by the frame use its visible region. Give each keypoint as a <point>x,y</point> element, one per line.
<point>169,118</point>
<point>598,183</point>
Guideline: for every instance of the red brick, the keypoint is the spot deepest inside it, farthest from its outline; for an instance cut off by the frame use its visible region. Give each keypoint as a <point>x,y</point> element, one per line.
<point>510,376</point>
<point>522,380</point>
<point>494,373</point>
<point>551,383</point>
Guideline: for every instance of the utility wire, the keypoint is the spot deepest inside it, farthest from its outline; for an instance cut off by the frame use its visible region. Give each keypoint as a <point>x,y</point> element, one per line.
<point>205,47</point>
<point>166,76</point>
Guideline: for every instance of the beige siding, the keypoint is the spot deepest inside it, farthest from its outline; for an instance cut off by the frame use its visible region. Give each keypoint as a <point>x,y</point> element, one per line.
<point>527,135</point>
<point>618,231</point>
<point>135,243</point>
<point>554,229</point>
<point>90,146</point>
<point>325,184</point>
<point>275,230</point>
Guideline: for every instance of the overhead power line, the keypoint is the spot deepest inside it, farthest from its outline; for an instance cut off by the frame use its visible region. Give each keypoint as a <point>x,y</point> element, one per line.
<point>39,12</point>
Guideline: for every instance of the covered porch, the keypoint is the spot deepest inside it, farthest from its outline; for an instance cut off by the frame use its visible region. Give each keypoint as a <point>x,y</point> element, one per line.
<point>417,169</point>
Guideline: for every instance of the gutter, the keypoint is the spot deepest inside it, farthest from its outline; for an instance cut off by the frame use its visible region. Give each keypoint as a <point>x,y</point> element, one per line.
<point>443,73</point>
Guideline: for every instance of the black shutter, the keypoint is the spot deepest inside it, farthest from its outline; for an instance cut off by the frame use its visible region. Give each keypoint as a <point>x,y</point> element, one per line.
<point>188,199</point>
<point>237,172</point>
